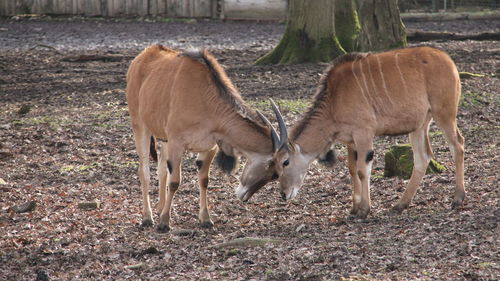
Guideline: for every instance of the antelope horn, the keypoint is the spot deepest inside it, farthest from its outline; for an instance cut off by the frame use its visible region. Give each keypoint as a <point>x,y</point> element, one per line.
<point>282,126</point>
<point>274,135</point>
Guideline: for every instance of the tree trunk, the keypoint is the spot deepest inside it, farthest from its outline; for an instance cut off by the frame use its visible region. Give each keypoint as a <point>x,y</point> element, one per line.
<point>309,35</point>
<point>321,30</point>
<point>381,25</point>
<point>346,24</point>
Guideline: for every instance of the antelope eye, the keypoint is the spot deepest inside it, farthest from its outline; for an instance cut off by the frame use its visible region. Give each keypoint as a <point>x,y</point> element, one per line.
<point>286,163</point>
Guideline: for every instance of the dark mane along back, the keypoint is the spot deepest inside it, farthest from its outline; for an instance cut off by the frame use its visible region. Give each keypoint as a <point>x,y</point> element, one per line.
<point>322,90</point>
<point>225,88</point>
<point>226,160</point>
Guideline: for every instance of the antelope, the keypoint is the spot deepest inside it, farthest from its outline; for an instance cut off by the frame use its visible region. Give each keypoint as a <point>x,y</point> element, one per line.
<point>186,101</point>
<point>365,95</point>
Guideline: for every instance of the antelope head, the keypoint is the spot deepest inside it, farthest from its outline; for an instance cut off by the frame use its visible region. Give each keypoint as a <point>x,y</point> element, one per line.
<point>260,168</point>
<point>289,163</point>
<point>258,171</point>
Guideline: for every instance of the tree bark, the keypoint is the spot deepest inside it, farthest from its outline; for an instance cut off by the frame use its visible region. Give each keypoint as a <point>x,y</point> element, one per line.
<point>309,35</point>
<point>381,25</point>
<point>321,30</point>
<point>347,24</point>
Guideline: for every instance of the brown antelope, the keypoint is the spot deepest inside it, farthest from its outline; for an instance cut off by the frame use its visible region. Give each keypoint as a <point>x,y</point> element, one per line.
<point>366,95</point>
<point>187,101</point>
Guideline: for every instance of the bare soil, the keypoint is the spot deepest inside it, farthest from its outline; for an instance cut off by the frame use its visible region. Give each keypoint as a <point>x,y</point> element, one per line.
<point>65,139</point>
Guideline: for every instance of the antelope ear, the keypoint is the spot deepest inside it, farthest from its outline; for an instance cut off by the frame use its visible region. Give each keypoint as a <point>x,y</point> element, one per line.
<point>296,148</point>
<point>329,159</point>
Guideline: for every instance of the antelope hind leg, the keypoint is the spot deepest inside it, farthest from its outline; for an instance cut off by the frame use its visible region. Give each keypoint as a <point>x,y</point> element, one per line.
<point>174,156</point>
<point>203,162</point>
<point>422,154</point>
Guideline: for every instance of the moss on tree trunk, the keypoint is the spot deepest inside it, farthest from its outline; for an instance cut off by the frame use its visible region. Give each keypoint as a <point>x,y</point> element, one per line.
<point>347,25</point>
<point>381,25</point>
<point>322,30</point>
<point>309,35</point>
<point>399,162</point>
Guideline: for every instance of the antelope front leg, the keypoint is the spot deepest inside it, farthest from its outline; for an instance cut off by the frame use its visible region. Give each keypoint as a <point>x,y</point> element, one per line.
<point>356,183</point>
<point>203,163</point>
<point>364,153</point>
<point>174,155</point>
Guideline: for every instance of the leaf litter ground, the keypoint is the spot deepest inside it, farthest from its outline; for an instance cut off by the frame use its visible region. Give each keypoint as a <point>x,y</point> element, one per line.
<point>65,140</point>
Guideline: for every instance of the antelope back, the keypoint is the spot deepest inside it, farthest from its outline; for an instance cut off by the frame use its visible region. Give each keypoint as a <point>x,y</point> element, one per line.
<point>391,92</point>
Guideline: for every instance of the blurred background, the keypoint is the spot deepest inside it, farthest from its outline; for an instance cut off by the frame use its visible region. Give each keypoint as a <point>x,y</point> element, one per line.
<point>218,9</point>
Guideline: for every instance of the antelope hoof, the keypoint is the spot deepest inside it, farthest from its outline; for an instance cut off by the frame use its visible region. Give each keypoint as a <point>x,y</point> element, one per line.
<point>353,214</point>
<point>163,228</point>
<point>455,205</point>
<point>207,224</point>
<point>458,201</point>
<point>147,223</point>
<point>399,208</point>
<point>358,213</point>
<point>363,213</point>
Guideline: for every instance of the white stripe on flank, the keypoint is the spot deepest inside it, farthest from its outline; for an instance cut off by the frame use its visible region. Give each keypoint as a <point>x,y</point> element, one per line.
<point>383,78</point>
<point>363,76</point>
<point>357,82</point>
<point>400,72</point>
<point>176,75</point>
<point>371,78</point>
<point>376,97</point>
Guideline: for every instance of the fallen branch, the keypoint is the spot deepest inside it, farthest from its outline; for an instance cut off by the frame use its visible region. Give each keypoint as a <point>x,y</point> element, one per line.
<point>45,46</point>
<point>85,58</point>
<point>246,242</point>
<point>89,205</point>
<point>420,36</point>
<point>407,17</point>
<point>136,266</point>
<point>465,75</point>
<point>24,208</point>
<point>183,232</point>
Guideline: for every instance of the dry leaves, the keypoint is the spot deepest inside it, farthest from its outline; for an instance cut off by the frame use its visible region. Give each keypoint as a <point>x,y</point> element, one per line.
<point>74,147</point>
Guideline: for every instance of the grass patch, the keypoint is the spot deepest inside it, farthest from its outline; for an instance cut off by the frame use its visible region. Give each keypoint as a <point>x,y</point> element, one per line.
<point>52,121</point>
<point>79,168</point>
<point>286,105</point>
<point>485,264</point>
<point>112,118</point>
<point>472,99</point>
<point>82,169</point>
<point>128,164</point>
<point>435,134</point>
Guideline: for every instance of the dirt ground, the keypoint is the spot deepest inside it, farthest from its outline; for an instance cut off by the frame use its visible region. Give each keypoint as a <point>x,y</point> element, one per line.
<point>65,140</point>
